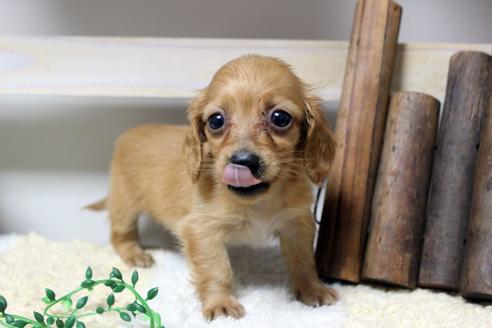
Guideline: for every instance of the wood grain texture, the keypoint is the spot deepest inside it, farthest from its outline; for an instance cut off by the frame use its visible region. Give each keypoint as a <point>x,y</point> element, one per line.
<point>467,94</point>
<point>176,68</point>
<point>359,130</point>
<point>476,278</point>
<point>400,198</point>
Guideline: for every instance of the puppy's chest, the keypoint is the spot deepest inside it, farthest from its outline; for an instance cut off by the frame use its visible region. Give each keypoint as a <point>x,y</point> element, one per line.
<point>255,230</point>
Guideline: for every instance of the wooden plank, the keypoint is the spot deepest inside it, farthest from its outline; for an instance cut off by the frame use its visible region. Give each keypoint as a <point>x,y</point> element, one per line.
<point>400,197</point>
<point>359,131</point>
<point>175,68</point>
<point>467,96</point>
<point>476,277</point>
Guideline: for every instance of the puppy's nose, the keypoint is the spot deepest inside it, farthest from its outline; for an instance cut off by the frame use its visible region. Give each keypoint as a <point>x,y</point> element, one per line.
<point>248,159</point>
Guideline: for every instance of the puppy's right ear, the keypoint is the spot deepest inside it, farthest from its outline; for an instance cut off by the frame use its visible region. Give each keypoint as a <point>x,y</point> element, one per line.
<point>195,137</point>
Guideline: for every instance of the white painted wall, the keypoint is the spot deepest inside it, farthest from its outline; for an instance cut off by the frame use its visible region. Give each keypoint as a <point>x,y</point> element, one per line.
<point>54,160</point>
<point>423,20</point>
<point>55,151</point>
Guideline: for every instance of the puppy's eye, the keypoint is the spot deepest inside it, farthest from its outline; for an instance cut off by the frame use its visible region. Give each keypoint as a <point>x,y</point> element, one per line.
<point>216,121</point>
<point>280,119</point>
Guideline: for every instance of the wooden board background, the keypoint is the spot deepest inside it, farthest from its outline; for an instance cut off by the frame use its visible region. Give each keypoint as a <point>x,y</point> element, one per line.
<point>175,68</point>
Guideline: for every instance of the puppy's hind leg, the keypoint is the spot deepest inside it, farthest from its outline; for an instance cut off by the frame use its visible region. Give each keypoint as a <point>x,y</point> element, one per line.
<point>124,232</point>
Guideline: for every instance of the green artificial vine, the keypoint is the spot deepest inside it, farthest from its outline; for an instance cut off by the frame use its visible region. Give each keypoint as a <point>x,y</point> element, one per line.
<point>73,315</point>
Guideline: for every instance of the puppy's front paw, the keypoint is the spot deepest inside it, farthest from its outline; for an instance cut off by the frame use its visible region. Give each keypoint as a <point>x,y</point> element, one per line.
<point>316,295</point>
<point>138,258</point>
<point>223,305</point>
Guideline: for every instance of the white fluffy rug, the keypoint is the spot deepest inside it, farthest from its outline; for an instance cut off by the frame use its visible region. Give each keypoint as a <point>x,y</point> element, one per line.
<point>28,264</point>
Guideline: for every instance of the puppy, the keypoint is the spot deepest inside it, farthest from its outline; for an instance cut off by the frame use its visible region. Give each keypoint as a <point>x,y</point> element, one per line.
<point>241,173</point>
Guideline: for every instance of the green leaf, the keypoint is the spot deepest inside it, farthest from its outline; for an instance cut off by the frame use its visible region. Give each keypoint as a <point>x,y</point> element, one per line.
<point>80,324</point>
<point>38,316</point>
<point>100,310</point>
<point>50,321</point>
<point>131,307</point>
<point>9,319</point>
<point>70,322</point>
<point>81,302</point>
<point>50,294</point>
<point>134,278</point>
<point>88,273</point>
<point>3,304</point>
<point>140,308</point>
<point>87,283</point>
<point>118,288</point>
<point>110,283</point>
<point>125,316</point>
<point>116,274</point>
<point>110,300</point>
<point>60,323</point>
<point>19,323</point>
<point>152,293</point>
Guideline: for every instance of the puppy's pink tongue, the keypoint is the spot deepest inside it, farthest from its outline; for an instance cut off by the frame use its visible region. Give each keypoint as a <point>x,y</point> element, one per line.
<point>239,176</point>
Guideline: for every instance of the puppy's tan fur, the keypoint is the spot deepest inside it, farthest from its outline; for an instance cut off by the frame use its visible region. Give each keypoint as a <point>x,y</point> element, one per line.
<point>174,174</point>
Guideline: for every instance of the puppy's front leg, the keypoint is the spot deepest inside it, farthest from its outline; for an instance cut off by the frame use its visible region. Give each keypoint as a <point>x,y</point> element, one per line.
<point>296,240</point>
<point>211,272</point>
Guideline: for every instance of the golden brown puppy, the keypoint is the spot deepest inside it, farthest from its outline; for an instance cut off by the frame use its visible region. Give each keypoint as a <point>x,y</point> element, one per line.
<point>240,174</point>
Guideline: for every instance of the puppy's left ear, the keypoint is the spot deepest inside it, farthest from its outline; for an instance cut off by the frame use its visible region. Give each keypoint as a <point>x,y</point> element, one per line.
<point>319,147</point>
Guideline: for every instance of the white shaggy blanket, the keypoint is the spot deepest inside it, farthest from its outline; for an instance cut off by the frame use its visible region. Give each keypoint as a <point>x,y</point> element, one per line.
<point>30,263</point>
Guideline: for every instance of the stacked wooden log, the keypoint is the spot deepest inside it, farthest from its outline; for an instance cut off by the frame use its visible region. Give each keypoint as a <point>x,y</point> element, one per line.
<point>467,95</point>
<point>476,275</point>
<point>428,212</point>
<point>398,208</point>
<point>359,131</point>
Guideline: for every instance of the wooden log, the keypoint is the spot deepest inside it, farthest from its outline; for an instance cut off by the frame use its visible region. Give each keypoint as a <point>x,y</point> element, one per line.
<point>359,130</point>
<point>476,277</point>
<point>467,90</point>
<point>400,197</point>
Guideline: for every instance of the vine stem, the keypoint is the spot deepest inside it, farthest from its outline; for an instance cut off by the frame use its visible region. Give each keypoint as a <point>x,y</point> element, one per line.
<point>64,297</point>
<point>19,317</point>
<point>115,280</point>
<point>155,320</point>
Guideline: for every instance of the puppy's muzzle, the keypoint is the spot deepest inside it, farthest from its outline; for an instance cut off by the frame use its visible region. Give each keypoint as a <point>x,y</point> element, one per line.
<point>248,159</point>
<point>242,174</point>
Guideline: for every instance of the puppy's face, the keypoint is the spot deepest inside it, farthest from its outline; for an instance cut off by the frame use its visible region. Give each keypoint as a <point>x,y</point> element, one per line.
<point>256,125</point>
